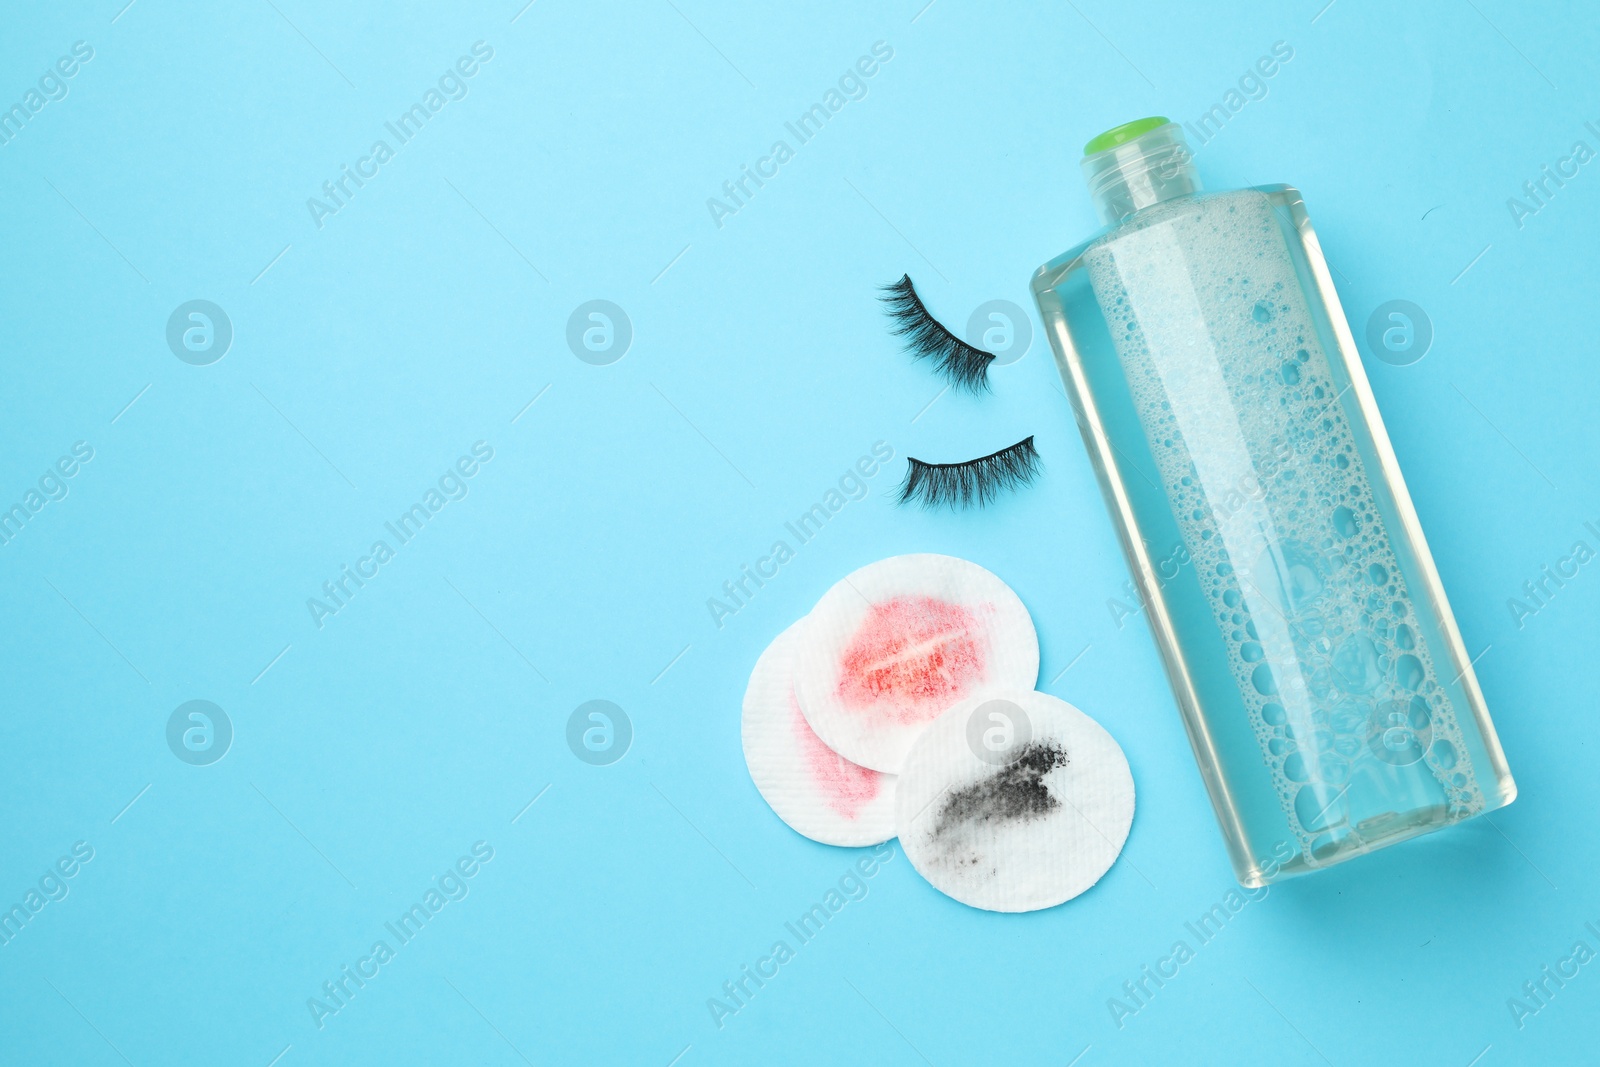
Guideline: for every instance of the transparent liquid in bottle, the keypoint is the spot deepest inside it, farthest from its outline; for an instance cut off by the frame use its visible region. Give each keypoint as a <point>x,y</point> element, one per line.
<point>1319,671</point>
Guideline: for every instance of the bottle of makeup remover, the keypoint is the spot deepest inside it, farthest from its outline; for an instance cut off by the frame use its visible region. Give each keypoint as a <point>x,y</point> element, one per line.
<point>1331,705</point>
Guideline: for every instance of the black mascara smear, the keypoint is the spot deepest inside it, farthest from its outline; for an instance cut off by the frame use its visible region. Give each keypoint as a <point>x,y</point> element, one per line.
<point>960,364</point>
<point>1014,793</point>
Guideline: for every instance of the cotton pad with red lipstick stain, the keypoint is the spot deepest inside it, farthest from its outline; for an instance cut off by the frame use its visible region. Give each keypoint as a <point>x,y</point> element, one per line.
<point>1014,802</point>
<point>811,787</point>
<point>899,641</point>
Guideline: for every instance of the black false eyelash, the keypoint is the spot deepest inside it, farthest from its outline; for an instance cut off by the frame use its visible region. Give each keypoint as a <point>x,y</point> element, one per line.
<point>964,366</point>
<point>975,482</point>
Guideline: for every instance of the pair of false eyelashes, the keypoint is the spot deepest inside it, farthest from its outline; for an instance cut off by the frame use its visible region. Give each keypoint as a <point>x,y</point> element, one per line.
<point>973,482</point>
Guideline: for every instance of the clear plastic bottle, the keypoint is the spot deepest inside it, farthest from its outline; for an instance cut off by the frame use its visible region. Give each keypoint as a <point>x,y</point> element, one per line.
<point>1323,683</point>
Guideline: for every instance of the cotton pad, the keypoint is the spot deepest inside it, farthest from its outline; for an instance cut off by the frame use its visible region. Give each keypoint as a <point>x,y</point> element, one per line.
<point>899,641</point>
<point>815,790</point>
<point>1014,801</point>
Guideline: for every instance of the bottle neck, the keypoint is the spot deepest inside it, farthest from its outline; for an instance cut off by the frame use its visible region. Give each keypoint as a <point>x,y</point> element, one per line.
<point>1146,170</point>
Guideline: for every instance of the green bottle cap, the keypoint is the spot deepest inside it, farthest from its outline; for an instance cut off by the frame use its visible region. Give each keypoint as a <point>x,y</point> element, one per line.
<point>1123,134</point>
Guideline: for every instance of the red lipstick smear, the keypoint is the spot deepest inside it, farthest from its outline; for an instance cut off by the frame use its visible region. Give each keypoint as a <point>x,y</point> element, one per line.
<point>847,786</point>
<point>913,656</point>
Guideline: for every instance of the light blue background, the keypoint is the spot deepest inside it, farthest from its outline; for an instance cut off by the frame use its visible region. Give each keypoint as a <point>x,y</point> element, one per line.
<point>371,753</point>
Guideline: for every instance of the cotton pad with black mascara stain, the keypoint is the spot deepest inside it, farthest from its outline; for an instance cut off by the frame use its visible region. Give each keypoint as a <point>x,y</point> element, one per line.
<point>808,785</point>
<point>1014,801</point>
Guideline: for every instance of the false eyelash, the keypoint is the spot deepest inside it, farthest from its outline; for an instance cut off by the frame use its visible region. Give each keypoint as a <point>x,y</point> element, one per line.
<point>975,482</point>
<point>964,366</point>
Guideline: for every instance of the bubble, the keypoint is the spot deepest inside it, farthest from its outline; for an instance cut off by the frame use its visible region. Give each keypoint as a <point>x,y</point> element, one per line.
<point>1333,769</point>
<point>1326,846</point>
<point>1345,523</point>
<point>1274,714</point>
<point>1263,680</point>
<point>1408,672</point>
<point>1290,574</point>
<point>1311,807</point>
<point>1356,662</point>
<point>1348,717</point>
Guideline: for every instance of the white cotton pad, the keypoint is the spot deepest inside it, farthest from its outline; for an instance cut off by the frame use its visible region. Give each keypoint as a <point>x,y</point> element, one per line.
<point>815,790</point>
<point>1014,802</point>
<point>899,641</point>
